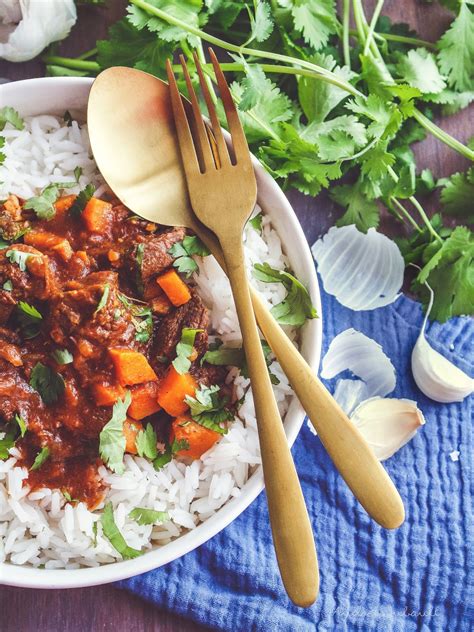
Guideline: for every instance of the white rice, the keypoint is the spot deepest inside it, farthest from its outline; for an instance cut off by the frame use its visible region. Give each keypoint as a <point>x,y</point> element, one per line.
<point>40,528</point>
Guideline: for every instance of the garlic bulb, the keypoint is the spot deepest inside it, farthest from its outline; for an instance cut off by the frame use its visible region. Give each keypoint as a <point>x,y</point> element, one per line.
<point>352,350</point>
<point>363,271</point>
<point>387,424</point>
<point>28,26</point>
<point>437,377</point>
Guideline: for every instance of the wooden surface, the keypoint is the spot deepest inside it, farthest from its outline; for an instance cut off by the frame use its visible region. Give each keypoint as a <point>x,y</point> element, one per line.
<point>104,607</point>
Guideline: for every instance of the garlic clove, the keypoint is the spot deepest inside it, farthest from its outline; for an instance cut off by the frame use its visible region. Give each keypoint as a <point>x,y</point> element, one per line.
<point>437,377</point>
<point>362,270</point>
<point>352,350</point>
<point>387,424</point>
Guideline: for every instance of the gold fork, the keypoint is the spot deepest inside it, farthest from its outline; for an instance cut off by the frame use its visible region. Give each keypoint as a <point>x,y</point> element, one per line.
<point>223,196</point>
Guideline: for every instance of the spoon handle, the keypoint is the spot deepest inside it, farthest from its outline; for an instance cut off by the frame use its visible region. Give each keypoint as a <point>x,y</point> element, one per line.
<point>350,453</point>
<point>291,527</point>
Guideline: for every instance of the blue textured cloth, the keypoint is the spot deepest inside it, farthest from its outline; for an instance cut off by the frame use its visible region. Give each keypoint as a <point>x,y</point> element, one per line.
<point>415,578</point>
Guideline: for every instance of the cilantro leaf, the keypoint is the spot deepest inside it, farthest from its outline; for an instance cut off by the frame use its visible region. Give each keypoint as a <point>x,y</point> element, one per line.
<point>29,319</point>
<point>183,252</point>
<point>256,222</point>
<point>183,10</point>
<point>385,117</point>
<point>297,306</point>
<point>40,458</point>
<point>418,68</point>
<point>360,210</point>
<point>337,138</point>
<point>21,424</point>
<point>208,408</point>
<point>261,22</point>
<point>143,516</point>
<point>7,441</point>
<point>456,50</point>
<point>62,356</point>
<point>10,115</point>
<point>113,535</point>
<point>43,205</point>
<point>457,194</point>
<point>315,19</point>
<point>166,456</point>
<point>146,443</point>
<point>103,299</point>
<point>111,438</point>
<point>449,271</point>
<point>19,257</point>
<point>184,349</point>
<point>225,356</point>
<point>8,286</point>
<point>81,200</point>
<point>49,384</point>
<point>77,173</point>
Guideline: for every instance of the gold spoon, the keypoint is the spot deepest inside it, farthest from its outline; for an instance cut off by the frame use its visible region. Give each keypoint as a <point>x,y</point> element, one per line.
<point>134,141</point>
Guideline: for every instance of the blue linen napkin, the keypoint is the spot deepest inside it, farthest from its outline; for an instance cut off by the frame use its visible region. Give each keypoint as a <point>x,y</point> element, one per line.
<point>415,578</point>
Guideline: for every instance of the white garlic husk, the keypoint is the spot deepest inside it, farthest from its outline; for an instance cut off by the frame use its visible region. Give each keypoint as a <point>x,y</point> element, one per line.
<point>437,377</point>
<point>387,424</point>
<point>27,27</point>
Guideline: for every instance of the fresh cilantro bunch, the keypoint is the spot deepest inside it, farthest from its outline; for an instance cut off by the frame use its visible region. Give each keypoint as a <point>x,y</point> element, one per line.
<point>325,106</point>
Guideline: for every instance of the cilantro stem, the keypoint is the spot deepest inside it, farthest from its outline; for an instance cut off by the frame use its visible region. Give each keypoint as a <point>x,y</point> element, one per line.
<point>425,218</point>
<point>373,22</point>
<point>68,62</point>
<point>442,135</point>
<point>346,16</point>
<point>325,75</point>
<point>397,203</point>
<point>87,54</point>
<point>412,41</point>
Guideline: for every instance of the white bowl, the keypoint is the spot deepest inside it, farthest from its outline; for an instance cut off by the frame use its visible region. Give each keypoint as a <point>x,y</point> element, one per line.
<point>55,96</point>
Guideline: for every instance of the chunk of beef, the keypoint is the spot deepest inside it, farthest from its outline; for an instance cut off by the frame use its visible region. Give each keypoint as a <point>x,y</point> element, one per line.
<point>37,280</point>
<point>12,223</point>
<point>75,317</point>
<point>16,395</point>
<point>155,252</point>
<point>208,374</point>
<point>193,314</point>
<point>7,304</point>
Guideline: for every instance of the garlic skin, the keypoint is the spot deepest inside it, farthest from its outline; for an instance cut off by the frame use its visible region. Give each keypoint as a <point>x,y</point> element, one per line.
<point>28,26</point>
<point>387,424</point>
<point>350,393</point>
<point>437,377</point>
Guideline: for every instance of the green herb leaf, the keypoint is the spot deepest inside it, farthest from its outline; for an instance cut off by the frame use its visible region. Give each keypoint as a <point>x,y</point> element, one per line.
<point>77,173</point>
<point>225,356</point>
<point>113,535</point>
<point>315,19</point>
<point>418,68</point>
<point>29,319</point>
<point>40,458</point>
<point>10,115</point>
<point>183,252</point>
<point>184,349</point>
<point>256,222</point>
<point>143,516</point>
<point>146,443</point>
<point>360,210</point>
<point>297,306</point>
<point>8,286</point>
<point>81,200</point>
<point>261,22</point>
<point>62,356</point>
<point>49,384</point>
<point>457,194</point>
<point>43,205</point>
<point>111,438</point>
<point>456,50</point>
<point>208,408</point>
<point>7,441</point>
<point>103,299</point>
<point>19,257</point>
<point>21,424</point>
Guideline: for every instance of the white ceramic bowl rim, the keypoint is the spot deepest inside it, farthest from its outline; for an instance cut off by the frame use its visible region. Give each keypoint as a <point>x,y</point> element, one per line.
<point>41,96</point>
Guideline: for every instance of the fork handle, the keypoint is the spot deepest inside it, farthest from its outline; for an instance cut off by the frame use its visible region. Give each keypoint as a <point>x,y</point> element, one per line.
<point>350,453</point>
<point>291,528</point>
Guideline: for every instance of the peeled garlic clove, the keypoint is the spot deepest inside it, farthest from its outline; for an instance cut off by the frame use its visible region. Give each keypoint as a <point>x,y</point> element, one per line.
<point>437,377</point>
<point>363,271</point>
<point>387,424</point>
<point>352,350</point>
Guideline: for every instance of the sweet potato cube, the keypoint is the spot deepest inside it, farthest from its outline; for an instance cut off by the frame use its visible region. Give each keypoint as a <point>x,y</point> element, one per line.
<point>131,428</point>
<point>173,389</point>
<point>131,367</point>
<point>174,287</point>
<point>144,400</point>
<point>97,215</point>
<point>199,439</point>
<point>107,394</point>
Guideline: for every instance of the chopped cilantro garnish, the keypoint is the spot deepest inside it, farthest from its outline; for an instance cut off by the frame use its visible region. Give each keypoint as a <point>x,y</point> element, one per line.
<point>10,115</point>
<point>103,299</point>
<point>20,258</point>
<point>184,349</point>
<point>43,204</point>
<point>297,306</point>
<point>8,286</point>
<point>21,424</point>
<point>146,443</point>
<point>111,439</point>
<point>7,441</point>
<point>62,356</point>
<point>208,408</point>
<point>77,173</point>
<point>166,456</point>
<point>29,319</point>
<point>256,222</point>
<point>143,516</point>
<point>81,200</point>
<point>49,384</point>
<point>183,252</point>
<point>40,458</point>
<point>113,535</point>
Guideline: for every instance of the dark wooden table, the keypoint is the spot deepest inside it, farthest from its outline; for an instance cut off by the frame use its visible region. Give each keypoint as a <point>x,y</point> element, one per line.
<point>104,607</point>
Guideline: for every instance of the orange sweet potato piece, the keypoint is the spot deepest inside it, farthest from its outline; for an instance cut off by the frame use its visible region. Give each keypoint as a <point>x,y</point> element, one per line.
<point>97,215</point>
<point>131,367</point>
<point>144,400</point>
<point>64,203</point>
<point>130,429</point>
<point>200,439</point>
<point>107,394</point>
<point>174,287</point>
<point>173,389</point>
<point>44,240</point>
